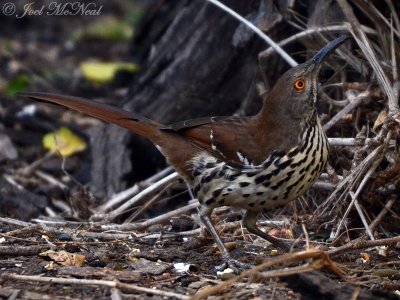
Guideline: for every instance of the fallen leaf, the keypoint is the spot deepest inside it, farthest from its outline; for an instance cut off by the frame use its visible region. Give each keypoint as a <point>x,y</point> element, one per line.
<point>274,252</point>
<point>380,120</point>
<point>104,72</point>
<point>365,257</point>
<point>65,258</point>
<point>65,141</point>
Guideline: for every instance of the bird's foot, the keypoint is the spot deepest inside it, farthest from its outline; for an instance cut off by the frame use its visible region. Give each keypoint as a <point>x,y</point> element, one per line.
<point>235,265</point>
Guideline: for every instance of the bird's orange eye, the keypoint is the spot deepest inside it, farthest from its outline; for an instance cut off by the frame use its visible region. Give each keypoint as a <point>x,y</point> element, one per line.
<point>299,84</point>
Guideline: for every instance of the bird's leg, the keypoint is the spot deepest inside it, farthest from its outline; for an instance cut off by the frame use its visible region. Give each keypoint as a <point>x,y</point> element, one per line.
<point>236,266</point>
<point>249,222</point>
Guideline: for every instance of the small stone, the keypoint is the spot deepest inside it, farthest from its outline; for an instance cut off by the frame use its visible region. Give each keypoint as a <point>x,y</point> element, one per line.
<point>226,274</point>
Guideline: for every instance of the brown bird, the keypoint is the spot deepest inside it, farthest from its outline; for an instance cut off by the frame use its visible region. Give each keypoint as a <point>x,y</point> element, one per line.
<point>254,163</point>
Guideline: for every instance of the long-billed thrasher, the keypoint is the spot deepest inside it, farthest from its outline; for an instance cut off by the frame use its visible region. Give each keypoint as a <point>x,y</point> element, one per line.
<point>254,163</point>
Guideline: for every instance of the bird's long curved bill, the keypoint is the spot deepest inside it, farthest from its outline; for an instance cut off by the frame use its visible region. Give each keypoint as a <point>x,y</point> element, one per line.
<point>329,48</point>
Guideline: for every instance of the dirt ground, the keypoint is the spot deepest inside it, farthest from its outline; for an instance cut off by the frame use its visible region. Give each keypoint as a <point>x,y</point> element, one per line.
<point>48,254</point>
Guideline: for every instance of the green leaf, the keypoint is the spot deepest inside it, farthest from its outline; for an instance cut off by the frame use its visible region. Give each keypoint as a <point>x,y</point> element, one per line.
<point>18,84</point>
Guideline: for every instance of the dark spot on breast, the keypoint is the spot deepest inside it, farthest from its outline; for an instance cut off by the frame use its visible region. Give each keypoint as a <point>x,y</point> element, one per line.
<point>210,165</point>
<point>275,198</point>
<point>293,152</point>
<point>206,179</point>
<point>321,167</point>
<point>259,193</point>
<point>262,178</point>
<point>246,195</point>
<point>221,173</point>
<point>232,177</point>
<point>262,202</point>
<point>276,171</point>
<point>306,141</point>
<point>301,161</point>
<point>216,193</point>
<point>251,204</point>
<point>301,178</point>
<point>268,162</point>
<point>225,194</point>
<point>214,173</point>
<point>210,201</point>
<point>276,186</point>
<point>251,174</point>
<point>290,173</point>
<point>314,171</point>
<point>196,189</point>
<point>266,183</point>
<point>298,181</point>
<point>314,154</point>
<point>313,159</point>
<point>244,184</point>
<point>286,194</point>
<point>296,164</point>
<point>284,164</point>
<point>310,165</point>
<point>221,202</point>
<point>196,172</point>
<point>281,182</point>
<point>229,189</point>
<point>277,153</point>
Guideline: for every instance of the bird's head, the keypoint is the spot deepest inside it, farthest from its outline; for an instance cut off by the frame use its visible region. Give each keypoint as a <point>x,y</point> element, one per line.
<point>296,91</point>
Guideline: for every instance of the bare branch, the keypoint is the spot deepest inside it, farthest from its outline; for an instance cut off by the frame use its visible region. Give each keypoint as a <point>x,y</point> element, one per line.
<point>261,34</point>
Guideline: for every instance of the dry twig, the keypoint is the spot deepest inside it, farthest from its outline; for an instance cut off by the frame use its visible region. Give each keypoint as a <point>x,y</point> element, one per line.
<point>92,282</point>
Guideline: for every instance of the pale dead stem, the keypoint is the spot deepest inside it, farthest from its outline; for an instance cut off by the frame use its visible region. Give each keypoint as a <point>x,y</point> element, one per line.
<point>150,202</point>
<point>319,259</point>
<point>309,32</point>
<point>354,183</point>
<point>354,101</point>
<point>382,214</point>
<point>371,162</point>
<point>156,220</point>
<point>365,46</point>
<point>93,282</point>
<point>256,30</point>
<point>122,196</point>
<point>148,192</point>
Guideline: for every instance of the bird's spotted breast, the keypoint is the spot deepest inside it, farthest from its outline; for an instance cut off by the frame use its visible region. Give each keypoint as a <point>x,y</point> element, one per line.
<point>282,177</point>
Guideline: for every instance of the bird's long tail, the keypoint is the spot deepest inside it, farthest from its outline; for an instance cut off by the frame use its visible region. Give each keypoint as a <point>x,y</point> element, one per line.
<point>134,122</point>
